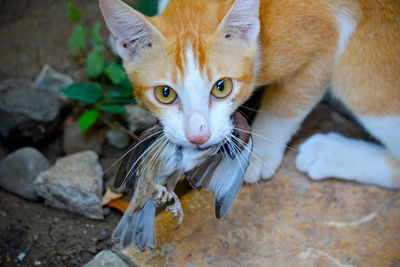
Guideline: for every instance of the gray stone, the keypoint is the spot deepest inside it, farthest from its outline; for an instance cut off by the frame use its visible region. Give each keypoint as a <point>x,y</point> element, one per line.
<point>117,139</point>
<point>28,112</point>
<point>106,258</point>
<point>52,79</point>
<point>138,118</point>
<point>75,140</point>
<point>19,170</point>
<point>74,183</point>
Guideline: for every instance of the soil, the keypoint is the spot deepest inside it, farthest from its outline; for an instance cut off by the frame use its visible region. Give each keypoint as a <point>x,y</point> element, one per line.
<point>32,34</point>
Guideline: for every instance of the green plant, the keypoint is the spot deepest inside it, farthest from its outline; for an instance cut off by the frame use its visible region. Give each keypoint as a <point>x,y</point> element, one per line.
<point>95,96</point>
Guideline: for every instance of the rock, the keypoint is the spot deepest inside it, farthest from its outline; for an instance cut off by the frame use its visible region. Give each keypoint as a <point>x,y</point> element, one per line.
<point>53,80</point>
<point>19,170</point>
<point>138,118</point>
<point>74,183</point>
<point>106,258</point>
<point>75,140</point>
<point>117,139</point>
<point>28,112</point>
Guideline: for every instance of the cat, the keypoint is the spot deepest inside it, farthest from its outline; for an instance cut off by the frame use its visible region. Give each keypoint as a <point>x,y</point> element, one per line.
<point>198,61</point>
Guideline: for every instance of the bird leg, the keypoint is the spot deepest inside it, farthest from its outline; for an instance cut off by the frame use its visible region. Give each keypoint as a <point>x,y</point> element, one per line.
<point>162,196</point>
<point>176,209</point>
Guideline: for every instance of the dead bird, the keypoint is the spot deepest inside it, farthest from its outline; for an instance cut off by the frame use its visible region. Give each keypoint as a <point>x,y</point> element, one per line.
<point>154,165</point>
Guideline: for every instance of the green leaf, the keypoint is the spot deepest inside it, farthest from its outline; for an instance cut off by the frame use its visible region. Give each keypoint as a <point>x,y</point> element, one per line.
<point>113,108</point>
<point>88,119</point>
<point>74,14</point>
<point>94,63</point>
<point>77,40</point>
<point>115,73</point>
<point>95,34</point>
<point>84,92</point>
<point>121,92</point>
<point>148,7</point>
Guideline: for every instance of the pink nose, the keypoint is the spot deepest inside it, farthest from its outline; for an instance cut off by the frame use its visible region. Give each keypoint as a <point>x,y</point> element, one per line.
<point>197,130</point>
<point>199,139</point>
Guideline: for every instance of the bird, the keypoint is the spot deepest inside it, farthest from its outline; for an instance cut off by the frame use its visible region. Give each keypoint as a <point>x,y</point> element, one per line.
<point>153,166</point>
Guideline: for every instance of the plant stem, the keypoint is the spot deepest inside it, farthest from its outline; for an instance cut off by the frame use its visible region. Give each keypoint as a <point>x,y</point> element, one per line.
<point>118,127</point>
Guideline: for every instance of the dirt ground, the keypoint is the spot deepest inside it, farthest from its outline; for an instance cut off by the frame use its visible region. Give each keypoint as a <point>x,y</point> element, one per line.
<point>32,34</point>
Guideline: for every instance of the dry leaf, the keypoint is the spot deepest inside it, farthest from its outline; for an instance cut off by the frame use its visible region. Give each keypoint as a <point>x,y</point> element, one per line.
<point>119,204</point>
<point>109,196</point>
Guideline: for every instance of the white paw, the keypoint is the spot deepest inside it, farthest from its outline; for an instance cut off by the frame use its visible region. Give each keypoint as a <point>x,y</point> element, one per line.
<point>263,166</point>
<point>322,155</point>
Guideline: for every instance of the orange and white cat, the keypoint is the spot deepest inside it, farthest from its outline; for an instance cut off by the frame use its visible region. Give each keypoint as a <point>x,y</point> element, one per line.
<point>198,61</point>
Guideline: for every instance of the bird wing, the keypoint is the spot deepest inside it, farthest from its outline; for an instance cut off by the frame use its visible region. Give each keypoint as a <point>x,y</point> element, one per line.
<point>137,227</point>
<point>223,175</point>
<point>127,171</point>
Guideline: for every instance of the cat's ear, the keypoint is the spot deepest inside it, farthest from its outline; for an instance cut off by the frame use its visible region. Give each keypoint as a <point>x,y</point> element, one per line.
<point>132,30</point>
<point>241,21</point>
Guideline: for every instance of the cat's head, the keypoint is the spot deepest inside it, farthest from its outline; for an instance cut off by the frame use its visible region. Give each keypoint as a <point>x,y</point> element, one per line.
<point>192,66</point>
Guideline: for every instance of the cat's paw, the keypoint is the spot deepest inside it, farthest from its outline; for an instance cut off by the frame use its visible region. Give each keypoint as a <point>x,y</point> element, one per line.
<point>322,155</point>
<point>263,165</point>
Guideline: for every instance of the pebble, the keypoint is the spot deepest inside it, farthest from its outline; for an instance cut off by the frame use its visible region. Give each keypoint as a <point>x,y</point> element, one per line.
<point>19,170</point>
<point>53,80</point>
<point>117,139</point>
<point>74,183</point>
<point>28,112</point>
<point>106,258</point>
<point>21,256</point>
<point>75,140</point>
<point>138,118</point>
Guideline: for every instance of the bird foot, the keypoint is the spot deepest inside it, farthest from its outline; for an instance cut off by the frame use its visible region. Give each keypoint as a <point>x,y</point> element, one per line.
<point>162,196</point>
<point>176,209</point>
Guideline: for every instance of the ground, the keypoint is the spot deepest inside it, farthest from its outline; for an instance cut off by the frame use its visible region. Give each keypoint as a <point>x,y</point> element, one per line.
<point>32,34</point>
<point>288,220</point>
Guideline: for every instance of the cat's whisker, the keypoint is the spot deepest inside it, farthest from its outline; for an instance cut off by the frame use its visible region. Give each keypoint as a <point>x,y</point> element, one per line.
<point>260,185</point>
<point>154,156</point>
<point>242,160</point>
<point>130,150</point>
<point>161,156</point>
<point>252,109</point>
<point>268,139</point>
<point>148,149</point>
<point>253,152</point>
<point>244,114</point>
<point>157,155</point>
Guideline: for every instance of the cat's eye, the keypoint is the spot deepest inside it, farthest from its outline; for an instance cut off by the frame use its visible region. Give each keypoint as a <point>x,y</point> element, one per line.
<point>165,94</point>
<point>222,88</point>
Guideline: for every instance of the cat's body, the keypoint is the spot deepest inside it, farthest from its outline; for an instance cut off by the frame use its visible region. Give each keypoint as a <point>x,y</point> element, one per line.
<point>299,48</point>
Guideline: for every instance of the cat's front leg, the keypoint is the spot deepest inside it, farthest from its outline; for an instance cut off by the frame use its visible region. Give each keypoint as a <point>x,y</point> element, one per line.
<point>270,135</point>
<point>283,108</point>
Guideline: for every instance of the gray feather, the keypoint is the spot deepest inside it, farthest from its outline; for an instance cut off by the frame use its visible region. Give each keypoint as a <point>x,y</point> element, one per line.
<point>228,179</point>
<point>139,227</point>
<point>223,175</point>
<point>127,171</point>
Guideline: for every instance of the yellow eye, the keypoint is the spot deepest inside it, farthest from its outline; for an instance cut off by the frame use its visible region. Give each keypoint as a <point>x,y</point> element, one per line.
<point>165,94</point>
<point>222,88</point>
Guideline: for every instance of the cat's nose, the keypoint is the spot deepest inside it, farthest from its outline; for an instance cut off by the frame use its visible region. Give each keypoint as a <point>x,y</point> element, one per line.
<point>197,130</point>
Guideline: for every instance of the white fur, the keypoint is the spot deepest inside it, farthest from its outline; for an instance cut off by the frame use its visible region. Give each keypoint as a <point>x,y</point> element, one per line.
<point>128,26</point>
<point>346,24</point>
<point>270,136</point>
<point>242,20</point>
<point>332,155</point>
<point>194,98</point>
<point>386,130</point>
